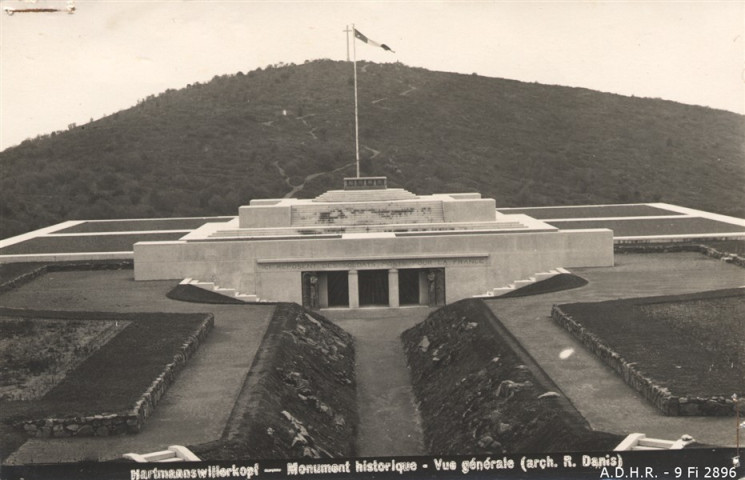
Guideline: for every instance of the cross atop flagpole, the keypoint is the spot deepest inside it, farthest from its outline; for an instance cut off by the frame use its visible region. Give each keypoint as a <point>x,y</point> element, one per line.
<point>347,31</point>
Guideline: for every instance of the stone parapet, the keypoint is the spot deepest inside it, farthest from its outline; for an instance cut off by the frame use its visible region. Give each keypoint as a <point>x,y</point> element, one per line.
<point>468,209</point>
<point>367,213</point>
<point>264,216</point>
<point>389,194</point>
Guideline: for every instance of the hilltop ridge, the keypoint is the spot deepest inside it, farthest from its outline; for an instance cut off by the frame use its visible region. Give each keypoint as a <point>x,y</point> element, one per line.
<point>289,129</point>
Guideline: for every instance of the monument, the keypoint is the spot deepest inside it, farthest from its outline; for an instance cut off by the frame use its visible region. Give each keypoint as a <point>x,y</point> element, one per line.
<point>370,245</point>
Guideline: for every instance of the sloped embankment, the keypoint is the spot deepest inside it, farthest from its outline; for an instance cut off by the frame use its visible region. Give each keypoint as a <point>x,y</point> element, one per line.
<point>557,283</point>
<point>190,293</point>
<point>479,391</point>
<point>299,399</point>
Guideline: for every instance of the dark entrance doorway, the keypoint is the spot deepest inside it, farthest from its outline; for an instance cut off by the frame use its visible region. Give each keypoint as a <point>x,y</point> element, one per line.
<point>373,287</point>
<point>408,286</point>
<point>338,288</point>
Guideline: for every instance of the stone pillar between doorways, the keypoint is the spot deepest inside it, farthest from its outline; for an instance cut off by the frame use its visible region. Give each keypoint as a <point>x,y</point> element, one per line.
<point>393,287</point>
<point>354,289</point>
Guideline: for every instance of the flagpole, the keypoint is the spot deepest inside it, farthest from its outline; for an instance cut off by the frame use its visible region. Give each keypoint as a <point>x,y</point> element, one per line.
<point>356,115</point>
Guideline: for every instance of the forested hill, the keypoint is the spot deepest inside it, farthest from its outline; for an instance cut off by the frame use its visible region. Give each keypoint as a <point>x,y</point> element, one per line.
<point>208,148</point>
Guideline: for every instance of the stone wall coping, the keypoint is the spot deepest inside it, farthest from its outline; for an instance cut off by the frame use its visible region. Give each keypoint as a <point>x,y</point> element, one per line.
<point>66,257</point>
<point>353,236</point>
<point>38,233</point>
<point>164,242</point>
<point>685,237</point>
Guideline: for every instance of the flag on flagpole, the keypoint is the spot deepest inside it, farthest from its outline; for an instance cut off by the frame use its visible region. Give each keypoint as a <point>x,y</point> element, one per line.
<point>360,36</point>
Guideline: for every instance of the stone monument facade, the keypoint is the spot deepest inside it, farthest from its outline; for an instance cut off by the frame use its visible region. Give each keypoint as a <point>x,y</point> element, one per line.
<point>371,245</point>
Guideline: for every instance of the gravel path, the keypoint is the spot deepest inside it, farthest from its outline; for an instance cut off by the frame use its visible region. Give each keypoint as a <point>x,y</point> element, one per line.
<point>389,421</point>
<point>596,390</point>
<point>196,407</point>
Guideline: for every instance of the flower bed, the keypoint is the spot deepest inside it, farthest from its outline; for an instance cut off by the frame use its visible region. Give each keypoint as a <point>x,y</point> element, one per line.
<point>38,353</point>
<point>683,353</point>
<point>117,388</point>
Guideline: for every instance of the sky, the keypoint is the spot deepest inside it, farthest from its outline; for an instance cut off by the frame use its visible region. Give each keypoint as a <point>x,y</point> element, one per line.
<point>58,68</point>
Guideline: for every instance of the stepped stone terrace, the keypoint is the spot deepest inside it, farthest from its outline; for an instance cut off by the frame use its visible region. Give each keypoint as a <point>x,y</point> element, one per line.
<point>391,210</point>
<point>369,245</point>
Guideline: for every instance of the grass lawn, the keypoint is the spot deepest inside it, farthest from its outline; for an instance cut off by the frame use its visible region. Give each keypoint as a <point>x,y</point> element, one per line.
<point>693,345</point>
<point>654,226</point>
<point>109,380</point>
<point>114,377</point>
<point>73,244</point>
<point>38,353</point>
<point>590,211</point>
<point>142,225</point>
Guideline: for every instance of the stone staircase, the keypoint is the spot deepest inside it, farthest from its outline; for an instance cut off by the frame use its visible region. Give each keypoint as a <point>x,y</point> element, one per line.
<point>499,291</point>
<point>639,441</point>
<point>228,292</point>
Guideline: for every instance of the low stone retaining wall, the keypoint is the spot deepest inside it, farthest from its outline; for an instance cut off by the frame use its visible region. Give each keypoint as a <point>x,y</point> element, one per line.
<point>638,246</point>
<point>660,397</point>
<point>131,421</point>
<point>91,265</point>
<point>23,279</point>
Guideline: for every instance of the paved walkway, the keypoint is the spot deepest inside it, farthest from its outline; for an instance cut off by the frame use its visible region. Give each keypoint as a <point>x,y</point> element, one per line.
<point>197,406</point>
<point>389,421</point>
<point>596,390</point>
